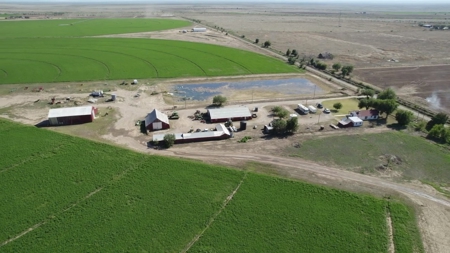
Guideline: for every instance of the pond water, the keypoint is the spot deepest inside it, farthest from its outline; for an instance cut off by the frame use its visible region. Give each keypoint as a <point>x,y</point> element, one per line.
<point>204,91</point>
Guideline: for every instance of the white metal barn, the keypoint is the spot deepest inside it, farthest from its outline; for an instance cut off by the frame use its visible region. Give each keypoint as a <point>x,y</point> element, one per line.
<point>71,115</point>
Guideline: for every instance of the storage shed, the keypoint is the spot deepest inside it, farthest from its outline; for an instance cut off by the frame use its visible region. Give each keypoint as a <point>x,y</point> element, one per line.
<point>199,29</point>
<point>156,120</point>
<point>350,122</point>
<point>71,115</point>
<point>237,113</point>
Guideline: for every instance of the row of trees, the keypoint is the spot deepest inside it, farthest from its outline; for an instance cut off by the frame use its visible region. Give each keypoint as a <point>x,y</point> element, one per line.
<point>385,102</point>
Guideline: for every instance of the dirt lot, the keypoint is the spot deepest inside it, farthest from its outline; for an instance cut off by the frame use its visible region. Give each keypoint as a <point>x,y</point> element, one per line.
<point>427,82</point>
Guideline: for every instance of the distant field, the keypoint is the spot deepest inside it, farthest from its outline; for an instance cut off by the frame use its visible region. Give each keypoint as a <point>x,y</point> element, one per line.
<point>427,82</point>
<point>84,196</point>
<point>53,51</point>
<point>84,59</point>
<point>84,27</point>
<point>419,159</point>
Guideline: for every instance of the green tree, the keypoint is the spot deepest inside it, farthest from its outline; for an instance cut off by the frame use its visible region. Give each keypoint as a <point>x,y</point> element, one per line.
<point>256,41</point>
<point>438,119</point>
<point>337,106</point>
<point>368,92</point>
<point>169,140</point>
<point>294,52</point>
<point>387,106</point>
<point>267,44</point>
<point>387,94</point>
<point>366,103</point>
<point>436,132</point>
<point>291,60</point>
<point>336,67</point>
<point>279,126</point>
<point>403,117</point>
<point>280,112</point>
<point>346,70</point>
<point>321,66</point>
<point>219,100</point>
<point>288,52</point>
<point>292,125</point>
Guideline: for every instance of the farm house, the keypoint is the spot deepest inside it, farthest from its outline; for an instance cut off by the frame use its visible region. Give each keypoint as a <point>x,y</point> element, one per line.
<point>366,114</point>
<point>350,122</point>
<point>200,29</point>
<point>71,115</point>
<point>234,113</point>
<point>221,133</point>
<point>156,120</point>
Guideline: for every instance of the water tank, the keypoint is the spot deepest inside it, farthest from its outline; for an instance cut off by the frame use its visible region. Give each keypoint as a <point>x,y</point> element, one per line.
<point>113,97</point>
<point>243,125</point>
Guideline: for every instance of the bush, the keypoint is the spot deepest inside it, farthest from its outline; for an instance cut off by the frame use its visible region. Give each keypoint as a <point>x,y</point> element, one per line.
<point>245,139</point>
<point>219,100</point>
<point>279,126</point>
<point>337,106</point>
<point>292,125</point>
<point>403,117</point>
<point>169,140</point>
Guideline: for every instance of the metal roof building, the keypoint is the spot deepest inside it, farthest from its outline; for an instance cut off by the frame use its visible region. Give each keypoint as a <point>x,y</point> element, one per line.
<point>233,113</point>
<point>156,120</point>
<point>71,115</point>
<point>220,134</point>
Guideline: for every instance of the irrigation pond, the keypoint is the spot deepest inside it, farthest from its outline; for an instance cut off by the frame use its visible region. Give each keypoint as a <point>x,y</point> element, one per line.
<point>287,87</point>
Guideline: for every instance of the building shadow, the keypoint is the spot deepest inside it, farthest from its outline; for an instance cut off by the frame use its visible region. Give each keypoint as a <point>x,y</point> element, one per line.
<point>44,123</point>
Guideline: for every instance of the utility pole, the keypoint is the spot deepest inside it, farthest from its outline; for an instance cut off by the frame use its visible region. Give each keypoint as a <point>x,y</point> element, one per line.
<point>339,19</point>
<point>315,86</point>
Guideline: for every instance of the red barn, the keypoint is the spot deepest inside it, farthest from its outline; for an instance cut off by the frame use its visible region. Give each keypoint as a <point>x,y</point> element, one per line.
<point>71,115</point>
<point>156,120</point>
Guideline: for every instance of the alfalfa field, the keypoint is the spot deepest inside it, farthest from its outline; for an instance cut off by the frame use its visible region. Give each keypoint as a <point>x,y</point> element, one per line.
<point>63,193</point>
<point>65,50</point>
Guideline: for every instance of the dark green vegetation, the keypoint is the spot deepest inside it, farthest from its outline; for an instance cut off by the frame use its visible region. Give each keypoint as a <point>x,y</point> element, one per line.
<point>406,237</point>
<point>84,27</point>
<point>415,157</point>
<point>38,57</point>
<point>91,197</point>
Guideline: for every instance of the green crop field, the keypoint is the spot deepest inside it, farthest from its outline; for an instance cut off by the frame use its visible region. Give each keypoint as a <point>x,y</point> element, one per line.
<point>31,52</point>
<point>416,158</point>
<point>78,195</point>
<point>84,27</point>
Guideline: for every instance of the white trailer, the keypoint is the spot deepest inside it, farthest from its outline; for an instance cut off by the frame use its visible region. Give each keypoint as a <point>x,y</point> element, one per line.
<point>312,109</point>
<point>303,109</point>
<point>200,29</point>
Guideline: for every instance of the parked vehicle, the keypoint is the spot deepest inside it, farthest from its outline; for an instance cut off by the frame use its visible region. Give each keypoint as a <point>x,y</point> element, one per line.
<point>326,110</point>
<point>303,109</point>
<point>312,109</point>
<point>319,105</point>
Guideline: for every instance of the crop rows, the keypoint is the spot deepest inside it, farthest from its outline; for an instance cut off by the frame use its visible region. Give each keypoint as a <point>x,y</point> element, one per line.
<point>61,51</point>
<point>89,196</point>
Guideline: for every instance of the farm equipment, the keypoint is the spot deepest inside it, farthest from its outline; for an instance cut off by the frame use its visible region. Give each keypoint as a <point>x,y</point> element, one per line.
<point>174,116</point>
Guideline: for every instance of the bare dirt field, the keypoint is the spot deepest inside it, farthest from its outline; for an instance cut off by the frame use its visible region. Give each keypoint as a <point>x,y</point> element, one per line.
<point>365,40</point>
<point>427,82</point>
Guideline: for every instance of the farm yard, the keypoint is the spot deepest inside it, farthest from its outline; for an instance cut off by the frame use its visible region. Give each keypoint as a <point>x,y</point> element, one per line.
<point>430,83</point>
<point>63,190</point>
<point>93,190</point>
